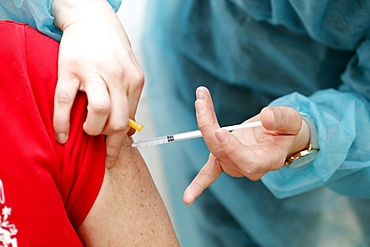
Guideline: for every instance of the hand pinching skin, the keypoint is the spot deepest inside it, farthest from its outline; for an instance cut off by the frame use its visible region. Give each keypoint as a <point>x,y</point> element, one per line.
<point>98,63</point>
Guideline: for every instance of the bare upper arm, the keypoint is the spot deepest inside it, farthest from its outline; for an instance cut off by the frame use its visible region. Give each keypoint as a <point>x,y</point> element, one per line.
<point>128,210</point>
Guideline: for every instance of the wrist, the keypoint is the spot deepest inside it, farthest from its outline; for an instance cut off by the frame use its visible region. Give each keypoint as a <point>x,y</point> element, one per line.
<point>310,152</point>
<point>68,12</point>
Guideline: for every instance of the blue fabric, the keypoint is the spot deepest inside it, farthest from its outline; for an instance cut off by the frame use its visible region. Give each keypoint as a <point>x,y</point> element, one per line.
<point>311,55</point>
<point>36,14</point>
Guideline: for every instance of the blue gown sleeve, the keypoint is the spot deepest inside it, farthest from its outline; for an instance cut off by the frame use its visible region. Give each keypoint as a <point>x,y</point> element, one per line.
<point>36,14</point>
<point>342,118</point>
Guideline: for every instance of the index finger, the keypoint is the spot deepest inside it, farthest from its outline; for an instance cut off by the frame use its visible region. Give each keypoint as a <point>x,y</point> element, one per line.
<point>206,118</point>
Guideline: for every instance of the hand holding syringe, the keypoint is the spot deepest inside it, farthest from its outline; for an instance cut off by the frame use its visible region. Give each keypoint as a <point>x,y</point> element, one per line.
<point>189,135</point>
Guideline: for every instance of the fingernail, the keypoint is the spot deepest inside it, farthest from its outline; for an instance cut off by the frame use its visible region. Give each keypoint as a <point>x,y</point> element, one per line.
<point>221,137</point>
<point>201,95</point>
<point>61,138</point>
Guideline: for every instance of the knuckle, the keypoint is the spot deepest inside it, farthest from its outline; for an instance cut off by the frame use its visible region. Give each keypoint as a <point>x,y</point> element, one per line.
<point>99,108</point>
<point>139,78</point>
<point>63,98</point>
<point>117,126</point>
<point>59,121</point>
<point>202,126</point>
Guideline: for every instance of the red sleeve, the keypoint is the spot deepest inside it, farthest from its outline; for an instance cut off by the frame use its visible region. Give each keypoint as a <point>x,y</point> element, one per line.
<point>49,188</point>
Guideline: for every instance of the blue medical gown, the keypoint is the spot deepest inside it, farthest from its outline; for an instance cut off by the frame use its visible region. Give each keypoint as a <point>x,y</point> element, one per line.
<point>36,13</point>
<point>311,55</point>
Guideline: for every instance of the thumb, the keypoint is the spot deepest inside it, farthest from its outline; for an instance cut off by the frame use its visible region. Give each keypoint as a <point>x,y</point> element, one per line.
<point>281,119</point>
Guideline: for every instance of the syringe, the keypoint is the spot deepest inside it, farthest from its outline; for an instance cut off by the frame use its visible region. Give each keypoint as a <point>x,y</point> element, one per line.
<point>189,135</point>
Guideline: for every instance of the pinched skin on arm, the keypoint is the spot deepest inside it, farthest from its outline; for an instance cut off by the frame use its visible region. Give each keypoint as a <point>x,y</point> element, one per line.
<point>128,210</point>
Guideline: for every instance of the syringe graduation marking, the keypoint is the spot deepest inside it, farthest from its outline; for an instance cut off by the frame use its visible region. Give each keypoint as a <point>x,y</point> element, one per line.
<point>170,138</point>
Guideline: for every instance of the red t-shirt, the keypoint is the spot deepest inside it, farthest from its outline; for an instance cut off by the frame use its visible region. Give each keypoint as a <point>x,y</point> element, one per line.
<point>46,189</point>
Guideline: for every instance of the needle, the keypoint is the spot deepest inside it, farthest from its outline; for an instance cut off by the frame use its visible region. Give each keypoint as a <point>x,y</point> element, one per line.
<point>189,135</point>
